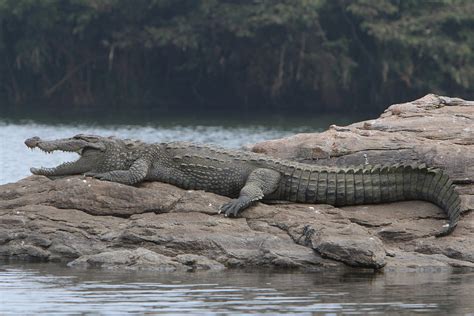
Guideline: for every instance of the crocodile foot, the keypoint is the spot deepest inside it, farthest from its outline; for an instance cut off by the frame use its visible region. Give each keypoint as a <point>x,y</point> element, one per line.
<point>234,207</point>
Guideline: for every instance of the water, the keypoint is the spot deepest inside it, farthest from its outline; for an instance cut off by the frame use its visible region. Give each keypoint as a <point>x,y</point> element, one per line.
<point>29,288</point>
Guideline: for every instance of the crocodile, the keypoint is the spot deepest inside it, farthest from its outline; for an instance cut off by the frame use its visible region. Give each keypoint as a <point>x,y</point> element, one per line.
<point>248,177</point>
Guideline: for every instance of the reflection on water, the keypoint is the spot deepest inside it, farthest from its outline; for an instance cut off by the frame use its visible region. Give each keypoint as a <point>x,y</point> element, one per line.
<point>50,288</point>
<point>16,159</point>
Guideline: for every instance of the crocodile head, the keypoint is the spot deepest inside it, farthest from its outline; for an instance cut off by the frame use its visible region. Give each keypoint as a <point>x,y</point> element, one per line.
<point>91,149</point>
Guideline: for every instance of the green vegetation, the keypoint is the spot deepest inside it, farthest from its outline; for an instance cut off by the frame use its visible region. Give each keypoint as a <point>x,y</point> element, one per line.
<point>296,55</point>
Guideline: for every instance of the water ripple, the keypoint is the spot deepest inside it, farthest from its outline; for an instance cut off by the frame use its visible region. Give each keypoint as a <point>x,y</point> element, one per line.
<point>53,289</point>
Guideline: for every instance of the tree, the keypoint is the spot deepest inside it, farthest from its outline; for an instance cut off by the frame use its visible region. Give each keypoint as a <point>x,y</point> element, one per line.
<point>295,55</point>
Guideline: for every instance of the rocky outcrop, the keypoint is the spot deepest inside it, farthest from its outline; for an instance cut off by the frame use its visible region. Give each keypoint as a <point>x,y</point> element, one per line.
<point>435,130</point>
<point>87,222</point>
<point>156,225</point>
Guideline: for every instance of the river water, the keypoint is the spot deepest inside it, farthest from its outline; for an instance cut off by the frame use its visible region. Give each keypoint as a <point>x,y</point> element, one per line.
<point>48,288</point>
<point>55,289</point>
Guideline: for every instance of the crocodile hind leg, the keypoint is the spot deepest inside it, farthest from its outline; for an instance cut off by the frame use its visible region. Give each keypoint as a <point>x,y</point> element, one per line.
<point>259,183</point>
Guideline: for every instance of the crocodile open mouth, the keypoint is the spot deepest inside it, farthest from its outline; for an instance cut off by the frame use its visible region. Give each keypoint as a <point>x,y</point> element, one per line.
<point>49,147</point>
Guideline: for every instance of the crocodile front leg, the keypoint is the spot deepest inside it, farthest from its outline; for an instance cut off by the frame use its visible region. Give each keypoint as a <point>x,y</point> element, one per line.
<point>260,182</point>
<point>134,175</point>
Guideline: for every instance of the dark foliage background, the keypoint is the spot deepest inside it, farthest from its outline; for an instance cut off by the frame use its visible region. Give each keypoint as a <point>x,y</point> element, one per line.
<point>233,55</point>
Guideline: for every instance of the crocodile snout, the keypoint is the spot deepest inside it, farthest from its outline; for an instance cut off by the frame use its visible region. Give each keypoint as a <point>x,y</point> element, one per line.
<point>32,142</point>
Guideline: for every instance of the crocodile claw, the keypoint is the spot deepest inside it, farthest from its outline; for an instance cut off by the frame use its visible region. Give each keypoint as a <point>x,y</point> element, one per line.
<point>232,208</point>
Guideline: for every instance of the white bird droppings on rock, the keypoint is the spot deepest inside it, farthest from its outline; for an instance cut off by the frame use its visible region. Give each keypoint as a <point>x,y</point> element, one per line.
<point>366,160</point>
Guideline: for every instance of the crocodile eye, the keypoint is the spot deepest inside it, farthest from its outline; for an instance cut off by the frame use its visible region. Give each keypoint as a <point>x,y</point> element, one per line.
<point>87,138</point>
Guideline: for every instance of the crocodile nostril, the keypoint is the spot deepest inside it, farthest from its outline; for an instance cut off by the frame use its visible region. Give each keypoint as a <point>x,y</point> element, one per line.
<point>32,142</point>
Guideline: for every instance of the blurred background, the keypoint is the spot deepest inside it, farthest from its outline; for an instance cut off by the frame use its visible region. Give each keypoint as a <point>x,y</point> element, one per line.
<point>231,56</point>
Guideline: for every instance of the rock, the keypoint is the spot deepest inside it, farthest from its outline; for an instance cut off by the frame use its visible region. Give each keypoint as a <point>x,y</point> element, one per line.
<point>35,224</point>
<point>156,226</point>
<point>352,245</point>
<point>324,229</point>
<point>135,259</point>
<point>436,130</point>
<point>402,260</point>
<point>142,258</point>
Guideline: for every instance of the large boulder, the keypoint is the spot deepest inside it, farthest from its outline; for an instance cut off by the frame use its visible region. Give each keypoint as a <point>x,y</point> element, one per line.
<point>87,222</point>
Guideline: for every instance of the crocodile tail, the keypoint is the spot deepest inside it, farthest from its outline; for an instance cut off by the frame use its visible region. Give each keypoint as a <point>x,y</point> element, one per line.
<point>372,185</point>
<point>419,182</point>
<point>439,189</point>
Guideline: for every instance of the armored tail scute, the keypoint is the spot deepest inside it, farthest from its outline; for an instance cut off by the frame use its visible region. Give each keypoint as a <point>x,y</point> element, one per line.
<point>372,185</point>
